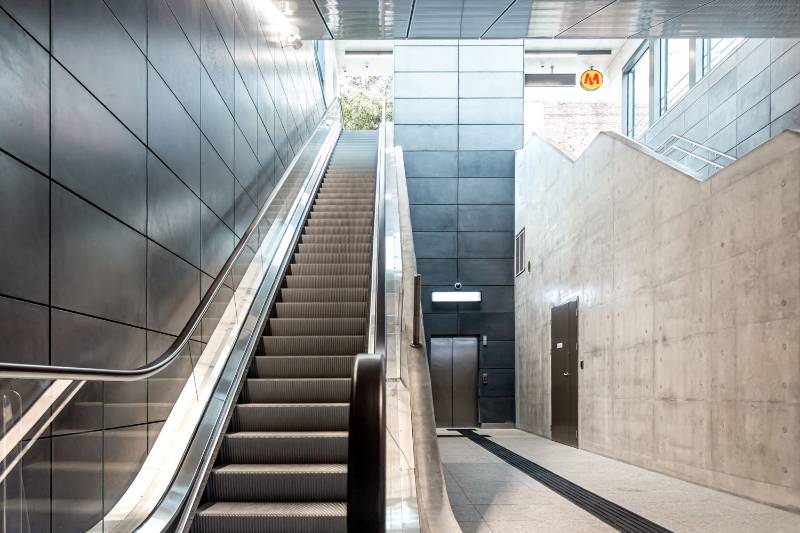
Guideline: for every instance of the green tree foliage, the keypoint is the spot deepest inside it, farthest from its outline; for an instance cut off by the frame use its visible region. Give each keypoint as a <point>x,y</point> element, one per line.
<point>362,100</point>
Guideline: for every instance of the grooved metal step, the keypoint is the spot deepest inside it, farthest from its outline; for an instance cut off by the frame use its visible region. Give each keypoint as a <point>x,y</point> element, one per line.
<point>324,295</point>
<point>314,345</point>
<point>326,282</point>
<point>304,366</point>
<point>304,390</point>
<point>328,258</point>
<point>279,483</point>
<point>321,269</point>
<point>352,237</point>
<point>320,310</point>
<point>317,326</point>
<point>291,417</point>
<point>252,517</point>
<point>284,447</point>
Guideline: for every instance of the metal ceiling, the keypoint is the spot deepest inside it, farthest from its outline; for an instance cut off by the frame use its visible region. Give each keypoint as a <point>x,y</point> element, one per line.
<point>503,19</point>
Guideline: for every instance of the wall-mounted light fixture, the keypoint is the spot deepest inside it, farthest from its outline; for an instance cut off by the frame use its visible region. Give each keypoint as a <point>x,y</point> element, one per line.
<point>455,296</point>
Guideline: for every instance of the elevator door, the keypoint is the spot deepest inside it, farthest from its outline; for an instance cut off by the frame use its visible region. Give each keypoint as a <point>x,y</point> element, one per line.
<point>454,379</point>
<point>564,373</point>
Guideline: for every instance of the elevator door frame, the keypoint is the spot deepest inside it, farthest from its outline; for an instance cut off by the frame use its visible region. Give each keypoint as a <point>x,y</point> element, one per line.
<point>455,386</point>
<point>564,373</point>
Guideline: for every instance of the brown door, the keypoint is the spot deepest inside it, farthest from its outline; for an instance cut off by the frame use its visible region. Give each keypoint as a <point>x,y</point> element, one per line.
<point>564,373</point>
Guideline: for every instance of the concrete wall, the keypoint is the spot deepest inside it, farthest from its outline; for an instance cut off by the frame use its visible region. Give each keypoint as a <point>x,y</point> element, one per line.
<point>458,114</point>
<point>689,309</point>
<point>753,95</point>
<point>137,142</point>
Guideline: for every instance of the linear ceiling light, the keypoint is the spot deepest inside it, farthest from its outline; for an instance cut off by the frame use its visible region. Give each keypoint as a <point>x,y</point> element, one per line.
<point>456,296</point>
<point>567,53</point>
<point>368,52</point>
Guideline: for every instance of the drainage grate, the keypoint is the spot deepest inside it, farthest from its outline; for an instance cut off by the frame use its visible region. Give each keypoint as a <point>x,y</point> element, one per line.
<point>609,512</point>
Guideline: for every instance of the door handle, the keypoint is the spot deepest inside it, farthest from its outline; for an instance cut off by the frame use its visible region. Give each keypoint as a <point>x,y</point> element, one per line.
<point>485,378</point>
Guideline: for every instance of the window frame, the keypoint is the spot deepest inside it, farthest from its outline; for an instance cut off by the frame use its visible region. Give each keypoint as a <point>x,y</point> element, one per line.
<point>628,89</point>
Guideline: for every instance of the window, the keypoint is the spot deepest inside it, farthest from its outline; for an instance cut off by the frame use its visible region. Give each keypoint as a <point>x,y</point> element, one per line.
<point>519,253</point>
<point>714,51</point>
<point>675,67</point>
<point>636,75</point>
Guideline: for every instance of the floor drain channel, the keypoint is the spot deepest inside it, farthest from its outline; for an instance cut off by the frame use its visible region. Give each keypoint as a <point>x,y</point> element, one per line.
<point>609,512</point>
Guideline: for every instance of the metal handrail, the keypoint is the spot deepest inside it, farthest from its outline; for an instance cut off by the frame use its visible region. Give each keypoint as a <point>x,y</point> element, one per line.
<point>30,371</point>
<point>669,145</point>
<point>366,457</point>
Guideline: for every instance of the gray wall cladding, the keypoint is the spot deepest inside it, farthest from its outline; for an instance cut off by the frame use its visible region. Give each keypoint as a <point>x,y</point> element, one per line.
<point>750,97</point>
<point>458,115</point>
<point>138,140</point>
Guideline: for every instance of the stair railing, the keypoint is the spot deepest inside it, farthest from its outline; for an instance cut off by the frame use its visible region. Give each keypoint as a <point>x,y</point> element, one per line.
<point>715,159</point>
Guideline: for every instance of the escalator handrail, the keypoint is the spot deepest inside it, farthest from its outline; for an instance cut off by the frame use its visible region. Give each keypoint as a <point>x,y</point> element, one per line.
<point>366,449</point>
<point>49,372</point>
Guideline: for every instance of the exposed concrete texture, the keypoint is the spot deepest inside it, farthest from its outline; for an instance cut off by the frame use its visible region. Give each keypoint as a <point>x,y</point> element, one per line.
<point>689,304</point>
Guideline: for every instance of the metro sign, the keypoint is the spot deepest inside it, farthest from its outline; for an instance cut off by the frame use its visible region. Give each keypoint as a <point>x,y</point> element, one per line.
<point>591,80</point>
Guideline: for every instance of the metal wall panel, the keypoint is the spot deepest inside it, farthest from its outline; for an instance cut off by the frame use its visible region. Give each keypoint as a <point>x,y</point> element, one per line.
<point>80,242</point>
<point>27,101</point>
<point>425,111</point>
<point>461,190</point>
<point>426,85</point>
<point>89,145</point>
<point>426,58</point>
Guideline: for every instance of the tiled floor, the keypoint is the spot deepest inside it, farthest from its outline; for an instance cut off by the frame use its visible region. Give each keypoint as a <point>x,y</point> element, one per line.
<point>490,496</point>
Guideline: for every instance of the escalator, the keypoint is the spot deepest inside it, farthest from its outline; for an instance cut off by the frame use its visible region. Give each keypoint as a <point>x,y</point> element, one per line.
<point>282,464</point>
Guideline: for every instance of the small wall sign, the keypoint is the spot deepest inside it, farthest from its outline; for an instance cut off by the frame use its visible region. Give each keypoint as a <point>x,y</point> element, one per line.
<point>591,80</point>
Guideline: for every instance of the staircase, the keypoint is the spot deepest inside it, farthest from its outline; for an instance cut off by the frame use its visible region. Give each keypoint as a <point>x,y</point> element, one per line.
<point>282,466</point>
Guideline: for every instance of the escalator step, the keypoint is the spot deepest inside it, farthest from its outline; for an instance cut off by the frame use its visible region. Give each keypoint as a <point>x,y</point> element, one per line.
<point>328,258</point>
<point>317,326</point>
<point>340,269</point>
<point>257,517</point>
<point>341,221</point>
<point>326,282</point>
<point>317,248</point>
<point>304,366</point>
<point>278,483</point>
<point>284,447</point>
<point>336,230</point>
<point>291,417</point>
<point>313,345</point>
<point>325,239</point>
<point>303,390</point>
<point>324,295</point>
<point>321,310</point>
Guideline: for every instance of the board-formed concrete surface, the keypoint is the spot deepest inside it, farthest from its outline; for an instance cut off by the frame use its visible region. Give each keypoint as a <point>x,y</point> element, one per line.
<point>491,496</point>
<point>689,308</point>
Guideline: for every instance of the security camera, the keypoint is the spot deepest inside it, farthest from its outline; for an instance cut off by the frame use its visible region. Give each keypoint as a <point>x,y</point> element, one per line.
<point>458,285</point>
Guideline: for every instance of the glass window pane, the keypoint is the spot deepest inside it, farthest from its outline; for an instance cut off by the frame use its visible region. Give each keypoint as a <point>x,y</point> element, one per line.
<point>639,96</point>
<point>677,75</point>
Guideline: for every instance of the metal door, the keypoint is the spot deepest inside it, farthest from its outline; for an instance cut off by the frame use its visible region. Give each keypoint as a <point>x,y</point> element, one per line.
<point>454,381</point>
<point>465,382</point>
<point>442,380</point>
<point>564,373</point>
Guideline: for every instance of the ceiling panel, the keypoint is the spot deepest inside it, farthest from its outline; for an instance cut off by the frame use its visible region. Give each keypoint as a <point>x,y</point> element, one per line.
<point>304,15</point>
<point>510,19</point>
<point>366,19</point>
